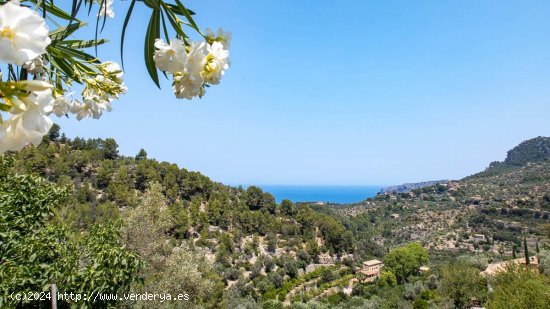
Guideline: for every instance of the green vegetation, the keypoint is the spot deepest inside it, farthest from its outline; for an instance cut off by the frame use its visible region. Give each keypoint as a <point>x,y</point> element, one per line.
<point>79,214</point>
<point>36,252</point>
<point>461,283</point>
<point>406,261</point>
<point>282,292</point>
<point>533,150</point>
<point>519,287</point>
<point>387,278</point>
<point>168,217</point>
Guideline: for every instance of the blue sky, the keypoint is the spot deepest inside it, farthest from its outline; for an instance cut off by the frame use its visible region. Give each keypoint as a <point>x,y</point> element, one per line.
<point>343,92</point>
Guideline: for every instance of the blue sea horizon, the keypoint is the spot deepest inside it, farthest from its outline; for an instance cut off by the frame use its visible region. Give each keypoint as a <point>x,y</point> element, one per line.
<point>322,193</point>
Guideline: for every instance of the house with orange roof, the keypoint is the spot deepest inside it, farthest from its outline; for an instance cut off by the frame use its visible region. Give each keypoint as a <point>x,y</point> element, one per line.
<point>371,270</point>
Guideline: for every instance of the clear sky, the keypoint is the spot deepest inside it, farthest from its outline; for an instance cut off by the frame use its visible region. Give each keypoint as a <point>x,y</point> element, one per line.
<point>343,92</point>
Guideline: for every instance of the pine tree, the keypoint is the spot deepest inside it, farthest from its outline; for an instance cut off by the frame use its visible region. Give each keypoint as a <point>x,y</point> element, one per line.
<point>527,261</point>
<point>142,154</point>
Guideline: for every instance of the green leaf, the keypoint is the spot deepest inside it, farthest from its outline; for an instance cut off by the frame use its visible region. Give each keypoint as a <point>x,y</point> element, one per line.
<point>164,27</point>
<point>176,9</point>
<point>63,32</point>
<point>98,17</point>
<point>188,16</point>
<point>80,44</point>
<point>153,32</point>
<point>4,108</point>
<point>54,10</point>
<point>62,66</point>
<point>74,10</point>
<point>75,53</point>
<point>175,25</point>
<point>154,4</point>
<point>126,20</point>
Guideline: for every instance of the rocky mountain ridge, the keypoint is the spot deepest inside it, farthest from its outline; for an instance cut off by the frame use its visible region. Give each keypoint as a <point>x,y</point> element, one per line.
<point>407,187</point>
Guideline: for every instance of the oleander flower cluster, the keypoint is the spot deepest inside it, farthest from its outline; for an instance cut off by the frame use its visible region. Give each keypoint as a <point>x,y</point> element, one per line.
<point>26,105</point>
<point>194,65</point>
<point>30,103</point>
<point>39,68</point>
<point>99,92</point>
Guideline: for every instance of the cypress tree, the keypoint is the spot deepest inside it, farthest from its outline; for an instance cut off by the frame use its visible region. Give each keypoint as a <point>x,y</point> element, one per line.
<point>537,246</point>
<point>514,251</point>
<point>527,261</point>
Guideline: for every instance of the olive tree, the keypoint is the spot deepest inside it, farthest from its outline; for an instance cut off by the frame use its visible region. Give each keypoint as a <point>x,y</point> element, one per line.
<point>406,260</point>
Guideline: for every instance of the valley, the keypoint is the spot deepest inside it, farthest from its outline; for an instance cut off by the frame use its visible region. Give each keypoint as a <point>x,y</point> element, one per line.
<point>241,249</point>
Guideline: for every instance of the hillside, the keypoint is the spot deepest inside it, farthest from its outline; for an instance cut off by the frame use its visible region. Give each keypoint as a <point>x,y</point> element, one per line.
<point>249,239</point>
<point>487,212</point>
<point>533,150</point>
<point>407,187</point>
<point>133,224</point>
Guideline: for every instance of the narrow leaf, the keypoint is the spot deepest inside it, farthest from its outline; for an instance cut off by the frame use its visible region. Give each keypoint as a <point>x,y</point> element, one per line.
<point>126,20</point>
<point>164,27</point>
<point>188,16</point>
<point>175,25</point>
<point>80,44</point>
<point>176,9</point>
<point>63,32</point>
<point>153,32</point>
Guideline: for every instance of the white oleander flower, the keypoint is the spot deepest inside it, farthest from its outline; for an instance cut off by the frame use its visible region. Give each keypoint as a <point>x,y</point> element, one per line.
<point>196,59</point>
<point>185,88</point>
<point>33,85</point>
<point>35,66</point>
<point>76,107</point>
<point>217,61</point>
<point>100,91</point>
<point>106,105</point>
<point>114,69</point>
<point>189,84</point>
<point>170,58</point>
<point>97,94</point>
<point>114,78</point>
<point>61,106</point>
<point>106,8</point>
<point>92,89</point>
<point>86,108</point>
<point>223,37</point>
<point>23,34</point>
<point>28,123</point>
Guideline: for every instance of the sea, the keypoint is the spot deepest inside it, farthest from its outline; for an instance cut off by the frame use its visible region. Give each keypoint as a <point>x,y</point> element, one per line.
<point>325,193</point>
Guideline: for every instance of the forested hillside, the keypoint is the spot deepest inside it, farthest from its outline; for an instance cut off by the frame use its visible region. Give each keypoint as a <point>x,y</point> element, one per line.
<point>505,203</point>
<point>76,213</point>
<point>242,233</point>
